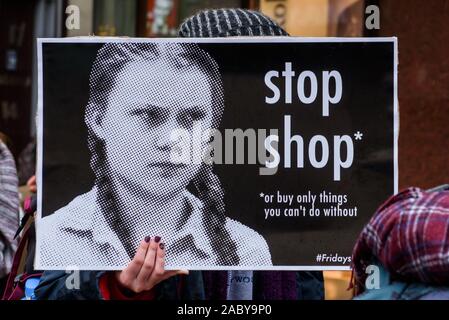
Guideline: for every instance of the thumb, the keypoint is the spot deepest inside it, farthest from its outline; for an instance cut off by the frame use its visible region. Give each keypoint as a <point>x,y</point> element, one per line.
<point>184,272</point>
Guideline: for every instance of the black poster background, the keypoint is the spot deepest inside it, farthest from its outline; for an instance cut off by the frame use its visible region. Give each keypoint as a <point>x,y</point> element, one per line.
<point>367,105</point>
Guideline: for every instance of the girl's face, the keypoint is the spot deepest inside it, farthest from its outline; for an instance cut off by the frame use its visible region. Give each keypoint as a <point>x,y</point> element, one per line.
<point>149,100</point>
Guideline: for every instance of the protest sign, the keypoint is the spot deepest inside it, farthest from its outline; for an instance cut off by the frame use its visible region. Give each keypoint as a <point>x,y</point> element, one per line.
<point>243,153</point>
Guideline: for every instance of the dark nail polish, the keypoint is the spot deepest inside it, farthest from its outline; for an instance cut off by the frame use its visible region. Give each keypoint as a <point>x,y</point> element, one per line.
<point>162,245</point>
<point>157,239</point>
<point>147,239</point>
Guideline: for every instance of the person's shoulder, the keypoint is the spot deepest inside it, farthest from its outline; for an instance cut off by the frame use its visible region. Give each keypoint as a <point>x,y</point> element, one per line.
<point>251,246</point>
<point>75,215</point>
<point>72,210</point>
<point>49,224</point>
<point>57,233</point>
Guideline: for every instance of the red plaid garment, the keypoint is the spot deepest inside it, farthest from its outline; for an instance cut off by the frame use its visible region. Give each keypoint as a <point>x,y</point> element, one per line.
<point>409,235</point>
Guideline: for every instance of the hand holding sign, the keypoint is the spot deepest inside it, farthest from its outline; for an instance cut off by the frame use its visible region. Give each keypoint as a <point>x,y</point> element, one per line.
<point>147,268</point>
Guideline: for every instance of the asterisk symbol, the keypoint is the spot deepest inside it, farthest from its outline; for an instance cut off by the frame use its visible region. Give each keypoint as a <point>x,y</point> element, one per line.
<point>358,135</point>
<point>262,195</point>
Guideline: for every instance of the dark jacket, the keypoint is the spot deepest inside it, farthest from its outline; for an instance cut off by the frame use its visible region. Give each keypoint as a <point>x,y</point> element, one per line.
<point>198,285</point>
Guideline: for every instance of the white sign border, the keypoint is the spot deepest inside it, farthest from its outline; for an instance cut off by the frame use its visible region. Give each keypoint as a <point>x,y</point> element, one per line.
<point>95,39</point>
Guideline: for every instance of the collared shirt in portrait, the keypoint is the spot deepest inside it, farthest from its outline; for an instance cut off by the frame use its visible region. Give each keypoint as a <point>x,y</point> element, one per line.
<point>78,235</point>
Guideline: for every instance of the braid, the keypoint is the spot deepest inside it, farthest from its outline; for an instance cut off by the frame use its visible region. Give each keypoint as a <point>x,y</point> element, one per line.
<point>107,196</point>
<point>210,191</point>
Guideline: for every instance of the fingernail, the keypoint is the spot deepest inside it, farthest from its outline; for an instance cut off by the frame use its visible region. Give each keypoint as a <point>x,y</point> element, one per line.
<point>162,245</point>
<point>157,239</point>
<point>147,239</point>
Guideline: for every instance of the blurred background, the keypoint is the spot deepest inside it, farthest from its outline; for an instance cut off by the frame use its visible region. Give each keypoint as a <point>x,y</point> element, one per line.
<point>421,28</point>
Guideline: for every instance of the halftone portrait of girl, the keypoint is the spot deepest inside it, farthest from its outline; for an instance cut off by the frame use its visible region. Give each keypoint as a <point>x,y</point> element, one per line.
<point>139,92</point>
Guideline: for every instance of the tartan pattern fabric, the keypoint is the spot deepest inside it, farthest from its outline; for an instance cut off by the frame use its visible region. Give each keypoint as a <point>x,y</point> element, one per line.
<point>409,236</point>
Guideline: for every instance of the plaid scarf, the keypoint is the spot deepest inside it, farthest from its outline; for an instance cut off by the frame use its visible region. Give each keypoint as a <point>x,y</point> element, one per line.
<point>409,236</point>
<point>9,209</point>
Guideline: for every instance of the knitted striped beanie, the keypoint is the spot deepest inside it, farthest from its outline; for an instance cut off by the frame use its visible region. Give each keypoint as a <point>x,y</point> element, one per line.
<point>229,23</point>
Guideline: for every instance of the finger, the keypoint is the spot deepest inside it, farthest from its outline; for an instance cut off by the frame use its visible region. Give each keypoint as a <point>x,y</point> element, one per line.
<point>182,272</point>
<point>31,181</point>
<point>160,274</point>
<point>160,259</point>
<point>170,273</point>
<point>148,265</point>
<point>133,268</point>
<point>159,266</point>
